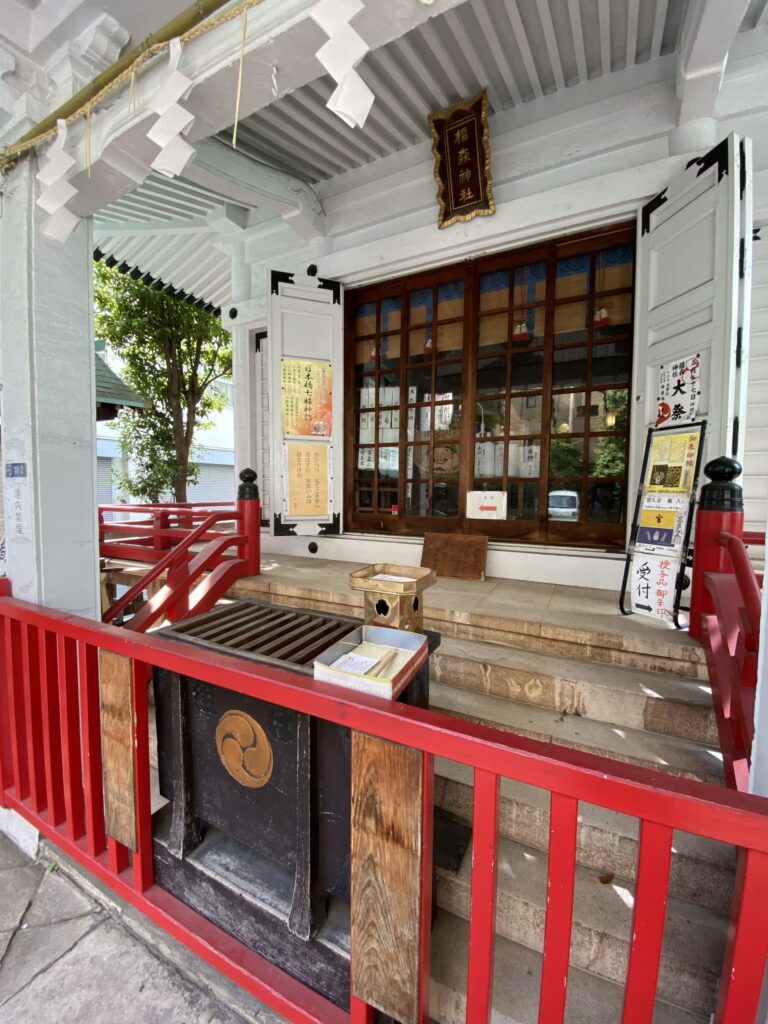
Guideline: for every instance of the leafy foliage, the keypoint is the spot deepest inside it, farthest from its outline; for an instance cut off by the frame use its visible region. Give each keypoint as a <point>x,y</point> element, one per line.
<point>171,353</point>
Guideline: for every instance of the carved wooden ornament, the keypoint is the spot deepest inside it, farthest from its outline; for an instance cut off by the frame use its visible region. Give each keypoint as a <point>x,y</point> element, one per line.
<point>460,143</point>
<point>244,749</point>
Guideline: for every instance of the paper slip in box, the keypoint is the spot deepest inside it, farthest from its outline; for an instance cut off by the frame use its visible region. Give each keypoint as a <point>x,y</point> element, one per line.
<point>365,648</point>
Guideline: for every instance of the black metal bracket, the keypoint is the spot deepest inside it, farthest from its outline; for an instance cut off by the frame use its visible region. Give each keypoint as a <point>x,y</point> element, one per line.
<point>330,529</point>
<point>649,209</point>
<point>277,278</point>
<point>718,155</point>
<point>283,529</point>
<point>334,286</point>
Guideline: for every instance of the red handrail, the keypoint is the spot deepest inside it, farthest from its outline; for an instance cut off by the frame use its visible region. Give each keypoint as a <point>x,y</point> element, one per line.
<point>66,755</point>
<point>745,577</point>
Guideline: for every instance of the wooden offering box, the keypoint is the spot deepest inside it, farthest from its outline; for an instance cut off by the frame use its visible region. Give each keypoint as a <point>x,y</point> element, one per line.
<point>393,594</point>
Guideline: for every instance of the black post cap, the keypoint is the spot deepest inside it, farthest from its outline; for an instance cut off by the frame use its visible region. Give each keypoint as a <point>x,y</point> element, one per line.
<point>722,494</point>
<point>248,488</point>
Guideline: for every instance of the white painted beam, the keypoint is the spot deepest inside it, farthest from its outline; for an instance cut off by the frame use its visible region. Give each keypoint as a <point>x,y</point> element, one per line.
<point>659,21</point>
<point>521,38</point>
<point>193,226</point>
<point>490,35</point>
<point>604,18</point>
<point>709,29</point>
<point>550,39</point>
<point>417,69</point>
<point>574,14</point>
<point>473,58</point>
<point>249,184</point>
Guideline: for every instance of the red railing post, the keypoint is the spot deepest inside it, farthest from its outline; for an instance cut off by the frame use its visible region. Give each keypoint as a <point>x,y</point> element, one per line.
<point>160,522</point>
<point>721,510</point>
<point>249,507</point>
<point>482,915</point>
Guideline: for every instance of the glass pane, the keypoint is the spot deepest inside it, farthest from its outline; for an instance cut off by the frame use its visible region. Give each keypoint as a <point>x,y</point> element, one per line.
<point>563,503</point>
<point>366,428</point>
<point>364,499</point>
<point>570,367</point>
<point>447,381</point>
<point>450,339</point>
<point>530,284</point>
<point>365,354</point>
<point>419,424</point>
<point>389,389</point>
<point>605,502</point>
<point>387,498</point>
<point>366,462</point>
<point>489,460</point>
<point>523,501</point>
<point>447,421</point>
<point>445,461</point>
<point>491,375</point>
<point>608,410</point>
<point>607,456</point>
<point>489,417</point>
<point>389,350</point>
<point>527,371</point>
<point>571,322</point>
<point>528,326</point>
<point>417,499</point>
<point>388,461</point>
<point>420,384</point>
<point>614,268</point>
<point>420,345</point>
<point>524,458</point>
<point>566,457</point>
<point>389,426</point>
<point>610,362</point>
<point>525,415</point>
<point>612,315</point>
<point>390,314</point>
<point>445,499</point>
<point>494,330</point>
<point>366,392</point>
<point>420,306</point>
<point>568,413</point>
<point>572,277</point>
<point>365,318</point>
<point>417,462</point>
<point>450,300</point>
<point>494,290</point>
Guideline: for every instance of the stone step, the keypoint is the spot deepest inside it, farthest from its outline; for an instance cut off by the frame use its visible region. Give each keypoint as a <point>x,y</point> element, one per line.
<point>702,870</point>
<point>602,924</point>
<point>667,753</point>
<point>632,697</point>
<point>517,980</point>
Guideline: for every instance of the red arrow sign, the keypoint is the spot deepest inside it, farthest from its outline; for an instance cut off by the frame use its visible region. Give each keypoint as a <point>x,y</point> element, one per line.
<point>489,508</point>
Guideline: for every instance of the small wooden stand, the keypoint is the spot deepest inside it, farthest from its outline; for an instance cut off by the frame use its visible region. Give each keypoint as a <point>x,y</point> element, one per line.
<point>398,605</point>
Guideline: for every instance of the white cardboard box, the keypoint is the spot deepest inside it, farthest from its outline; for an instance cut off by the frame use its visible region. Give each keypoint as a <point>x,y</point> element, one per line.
<point>415,645</point>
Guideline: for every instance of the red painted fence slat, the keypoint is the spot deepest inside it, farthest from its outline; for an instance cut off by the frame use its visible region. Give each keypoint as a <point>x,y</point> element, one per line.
<point>6,765</point>
<point>15,696</point>
<point>563,821</point>
<point>90,731</point>
<point>117,856</point>
<point>69,717</point>
<point>742,978</point>
<point>360,1012</point>
<point>427,825</point>
<point>647,922</point>
<point>33,716</point>
<point>482,919</point>
<point>49,694</point>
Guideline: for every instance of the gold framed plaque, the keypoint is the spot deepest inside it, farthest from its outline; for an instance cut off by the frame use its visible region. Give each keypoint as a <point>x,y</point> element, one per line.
<point>462,151</point>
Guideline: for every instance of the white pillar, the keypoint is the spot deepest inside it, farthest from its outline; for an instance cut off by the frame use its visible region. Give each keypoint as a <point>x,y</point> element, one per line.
<point>48,405</point>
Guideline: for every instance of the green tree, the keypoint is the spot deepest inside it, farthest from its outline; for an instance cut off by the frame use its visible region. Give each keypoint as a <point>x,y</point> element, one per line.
<point>171,354</point>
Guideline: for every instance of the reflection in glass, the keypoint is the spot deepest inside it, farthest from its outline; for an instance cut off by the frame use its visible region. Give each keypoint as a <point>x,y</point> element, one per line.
<point>607,456</point>
<point>388,461</point>
<point>491,375</point>
<point>525,415</point>
<point>605,502</point>
<point>420,306</point>
<point>389,351</point>
<point>390,313</point>
<point>528,327</point>
<point>489,417</point>
<point>563,504</point>
<point>420,384</point>
<point>568,413</point>
<point>365,319</point>
<point>364,499</point>
<point>366,392</point>
<point>366,428</point>
<point>614,268</point>
<point>524,458</point>
<point>447,381</point>
<point>527,371</point>
<point>387,498</point>
<point>365,354</point>
<point>494,330</point>
<point>570,367</point>
<point>445,499</point>
<point>450,300</point>
<point>489,460</point>
<point>522,501</point>
<point>571,322</point>
<point>572,277</point>
<point>420,345</point>
<point>417,499</point>
<point>450,339</point>
<point>612,315</point>
<point>530,284</point>
<point>566,456</point>
<point>494,290</point>
<point>610,362</point>
<point>447,420</point>
<point>609,410</point>
<point>417,462</point>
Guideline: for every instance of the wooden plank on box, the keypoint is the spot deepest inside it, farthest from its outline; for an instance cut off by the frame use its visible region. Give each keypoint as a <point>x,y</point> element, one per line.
<point>117,732</point>
<point>461,555</point>
<point>386,870</point>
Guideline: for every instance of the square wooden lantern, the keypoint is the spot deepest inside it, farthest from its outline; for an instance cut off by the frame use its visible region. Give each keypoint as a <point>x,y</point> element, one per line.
<point>393,594</point>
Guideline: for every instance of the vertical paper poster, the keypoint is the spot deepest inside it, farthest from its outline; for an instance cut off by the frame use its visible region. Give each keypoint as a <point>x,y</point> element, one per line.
<point>653,585</point>
<point>679,391</point>
<point>306,397</point>
<point>307,482</point>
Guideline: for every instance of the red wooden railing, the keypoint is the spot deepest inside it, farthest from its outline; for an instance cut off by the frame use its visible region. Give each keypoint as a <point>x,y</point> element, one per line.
<point>169,536</point>
<point>51,773</point>
<point>730,636</point>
